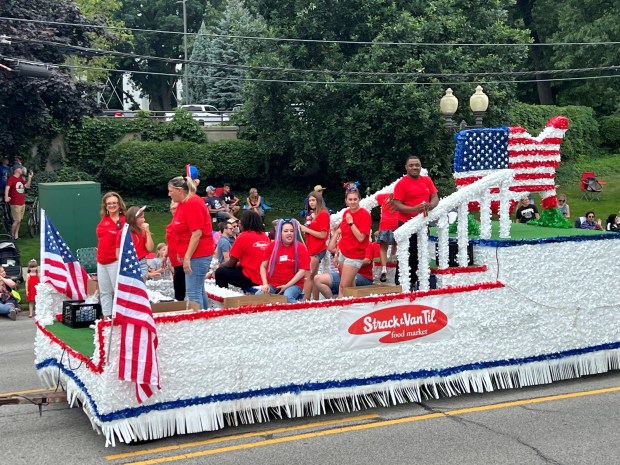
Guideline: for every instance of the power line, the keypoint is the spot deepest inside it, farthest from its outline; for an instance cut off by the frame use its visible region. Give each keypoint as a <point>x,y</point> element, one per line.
<point>420,74</point>
<point>320,41</point>
<point>350,83</point>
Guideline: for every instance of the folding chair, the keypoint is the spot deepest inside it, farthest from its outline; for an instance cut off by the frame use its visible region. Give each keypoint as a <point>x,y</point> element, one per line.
<point>591,187</point>
<point>88,259</point>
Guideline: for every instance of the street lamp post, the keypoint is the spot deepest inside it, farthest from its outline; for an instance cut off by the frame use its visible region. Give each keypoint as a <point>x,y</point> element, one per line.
<point>478,102</point>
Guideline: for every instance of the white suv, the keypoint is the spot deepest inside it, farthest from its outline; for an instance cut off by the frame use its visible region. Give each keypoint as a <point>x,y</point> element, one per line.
<point>204,114</point>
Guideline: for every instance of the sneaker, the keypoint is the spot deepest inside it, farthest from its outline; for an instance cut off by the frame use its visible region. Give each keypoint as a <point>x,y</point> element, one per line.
<point>13,314</point>
<point>383,277</point>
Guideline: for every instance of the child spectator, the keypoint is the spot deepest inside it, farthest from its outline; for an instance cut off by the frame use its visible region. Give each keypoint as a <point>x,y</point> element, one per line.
<point>32,279</point>
<point>160,265</point>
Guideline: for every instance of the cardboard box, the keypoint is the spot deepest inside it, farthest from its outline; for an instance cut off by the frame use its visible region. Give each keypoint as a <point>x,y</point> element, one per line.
<point>176,306</point>
<point>238,301</point>
<point>363,291</point>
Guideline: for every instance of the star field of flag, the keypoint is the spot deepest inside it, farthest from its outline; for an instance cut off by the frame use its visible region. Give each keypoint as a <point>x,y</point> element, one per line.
<point>481,149</point>
<point>130,267</point>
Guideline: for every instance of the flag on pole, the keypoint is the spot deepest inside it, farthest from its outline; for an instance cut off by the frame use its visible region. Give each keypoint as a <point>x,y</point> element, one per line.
<point>132,310</point>
<point>59,267</point>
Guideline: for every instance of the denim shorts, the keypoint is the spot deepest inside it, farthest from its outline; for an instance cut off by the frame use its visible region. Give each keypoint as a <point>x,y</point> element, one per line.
<point>359,281</point>
<point>386,236</point>
<point>321,255</point>
<point>354,262</point>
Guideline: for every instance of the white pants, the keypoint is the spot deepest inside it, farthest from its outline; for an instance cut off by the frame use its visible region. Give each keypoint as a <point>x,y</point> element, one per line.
<point>106,278</point>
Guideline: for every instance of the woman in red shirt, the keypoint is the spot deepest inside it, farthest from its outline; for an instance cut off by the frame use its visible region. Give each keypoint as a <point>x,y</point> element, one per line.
<point>354,237</point>
<point>246,255</point>
<point>286,263</point>
<point>140,235</point>
<point>192,237</point>
<point>178,275</point>
<point>315,230</point>
<point>108,230</point>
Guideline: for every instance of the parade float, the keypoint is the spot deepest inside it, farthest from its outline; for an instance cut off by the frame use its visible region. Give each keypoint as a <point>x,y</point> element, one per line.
<point>531,309</point>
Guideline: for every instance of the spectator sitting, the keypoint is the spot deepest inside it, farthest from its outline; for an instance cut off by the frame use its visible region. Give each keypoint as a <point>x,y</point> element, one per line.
<point>217,209</point>
<point>563,206</point>
<point>246,254</point>
<point>229,199</point>
<point>613,223</point>
<point>526,211</point>
<point>590,223</point>
<point>227,238</point>
<point>255,202</point>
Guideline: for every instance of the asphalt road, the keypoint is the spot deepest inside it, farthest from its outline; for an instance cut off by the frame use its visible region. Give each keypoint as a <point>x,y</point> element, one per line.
<point>568,423</point>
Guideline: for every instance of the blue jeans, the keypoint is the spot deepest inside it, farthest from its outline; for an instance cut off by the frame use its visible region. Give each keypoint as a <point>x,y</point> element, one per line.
<point>195,282</point>
<point>291,293</point>
<point>359,281</point>
<point>5,309</point>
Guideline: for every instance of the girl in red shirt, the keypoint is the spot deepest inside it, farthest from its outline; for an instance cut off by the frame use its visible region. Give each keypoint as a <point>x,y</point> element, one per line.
<point>109,228</point>
<point>140,235</point>
<point>354,237</point>
<point>286,263</point>
<point>315,230</point>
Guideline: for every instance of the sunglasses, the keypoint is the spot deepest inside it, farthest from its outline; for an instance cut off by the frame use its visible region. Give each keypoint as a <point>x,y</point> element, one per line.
<point>118,225</point>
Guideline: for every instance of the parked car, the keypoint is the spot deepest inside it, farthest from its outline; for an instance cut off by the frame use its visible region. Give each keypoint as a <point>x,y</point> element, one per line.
<point>204,114</point>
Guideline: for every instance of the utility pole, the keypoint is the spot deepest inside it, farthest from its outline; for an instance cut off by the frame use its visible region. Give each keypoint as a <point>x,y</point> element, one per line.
<point>185,82</point>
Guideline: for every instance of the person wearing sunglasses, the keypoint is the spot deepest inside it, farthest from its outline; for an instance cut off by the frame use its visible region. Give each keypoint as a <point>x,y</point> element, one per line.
<point>192,234</point>
<point>592,223</point>
<point>286,263</point>
<point>108,234</point>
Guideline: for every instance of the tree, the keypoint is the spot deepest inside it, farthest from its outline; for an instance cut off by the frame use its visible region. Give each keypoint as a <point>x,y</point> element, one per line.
<point>220,83</point>
<point>585,21</point>
<point>344,119</point>
<point>34,106</point>
<point>157,72</point>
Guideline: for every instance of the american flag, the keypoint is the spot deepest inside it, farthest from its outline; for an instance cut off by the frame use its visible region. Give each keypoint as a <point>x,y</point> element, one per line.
<point>479,152</point>
<point>138,355</point>
<point>59,267</point>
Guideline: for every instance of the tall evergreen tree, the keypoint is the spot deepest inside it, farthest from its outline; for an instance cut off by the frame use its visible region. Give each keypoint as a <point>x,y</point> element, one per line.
<point>199,72</point>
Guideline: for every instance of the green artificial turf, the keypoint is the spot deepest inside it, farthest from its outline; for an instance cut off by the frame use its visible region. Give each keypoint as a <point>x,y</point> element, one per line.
<point>79,339</point>
<point>520,231</point>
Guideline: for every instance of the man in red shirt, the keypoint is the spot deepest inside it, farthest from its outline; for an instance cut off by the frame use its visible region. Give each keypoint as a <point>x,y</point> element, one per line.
<point>15,196</point>
<point>413,195</point>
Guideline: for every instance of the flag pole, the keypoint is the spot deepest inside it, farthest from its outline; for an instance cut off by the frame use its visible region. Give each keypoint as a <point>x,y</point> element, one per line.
<point>42,227</point>
<point>118,268</point>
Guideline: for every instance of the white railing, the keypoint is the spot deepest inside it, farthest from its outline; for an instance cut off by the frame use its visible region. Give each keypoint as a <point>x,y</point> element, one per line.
<point>479,191</point>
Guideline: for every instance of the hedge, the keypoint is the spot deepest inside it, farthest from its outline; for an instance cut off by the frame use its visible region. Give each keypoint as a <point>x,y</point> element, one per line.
<point>146,167</point>
<point>582,137</point>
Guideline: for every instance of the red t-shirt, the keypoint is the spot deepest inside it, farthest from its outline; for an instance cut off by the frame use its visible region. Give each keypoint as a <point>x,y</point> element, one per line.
<point>320,223</point>
<point>349,246</point>
<point>371,254</point>
<point>413,192</point>
<point>108,234</point>
<point>284,268</point>
<point>389,219</point>
<point>192,215</point>
<point>249,248</point>
<point>172,254</point>
<point>139,242</point>
<point>17,190</point>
